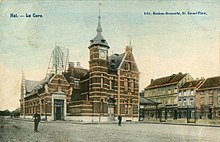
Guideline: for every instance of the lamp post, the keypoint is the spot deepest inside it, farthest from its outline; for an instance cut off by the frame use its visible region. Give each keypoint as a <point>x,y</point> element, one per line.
<point>45,114</point>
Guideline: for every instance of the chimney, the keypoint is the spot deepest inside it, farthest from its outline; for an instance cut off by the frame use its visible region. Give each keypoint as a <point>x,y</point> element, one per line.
<point>128,49</point>
<point>71,64</point>
<point>78,63</point>
<point>152,80</point>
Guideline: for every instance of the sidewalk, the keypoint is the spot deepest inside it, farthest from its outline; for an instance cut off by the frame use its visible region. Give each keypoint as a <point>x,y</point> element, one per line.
<point>199,122</point>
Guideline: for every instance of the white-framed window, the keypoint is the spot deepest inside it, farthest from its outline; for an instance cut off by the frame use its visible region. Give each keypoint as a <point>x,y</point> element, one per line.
<point>180,102</point>
<point>184,93</point>
<point>191,101</point>
<point>175,90</point>
<point>184,102</point>
<point>191,92</point>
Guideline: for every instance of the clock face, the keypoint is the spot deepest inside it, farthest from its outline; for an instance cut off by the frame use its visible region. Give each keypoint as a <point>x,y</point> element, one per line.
<point>102,54</point>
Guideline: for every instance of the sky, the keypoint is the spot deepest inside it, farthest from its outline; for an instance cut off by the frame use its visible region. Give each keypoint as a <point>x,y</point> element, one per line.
<point>162,44</point>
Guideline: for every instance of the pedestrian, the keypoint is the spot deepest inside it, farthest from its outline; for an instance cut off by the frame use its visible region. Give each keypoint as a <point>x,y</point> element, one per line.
<point>119,120</point>
<point>37,119</point>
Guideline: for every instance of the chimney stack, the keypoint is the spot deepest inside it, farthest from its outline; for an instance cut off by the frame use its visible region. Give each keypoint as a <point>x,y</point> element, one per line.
<point>78,63</point>
<point>128,49</point>
<point>152,80</point>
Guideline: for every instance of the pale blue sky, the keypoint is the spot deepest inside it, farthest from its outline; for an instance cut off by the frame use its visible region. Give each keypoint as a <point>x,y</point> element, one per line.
<point>162,45</point>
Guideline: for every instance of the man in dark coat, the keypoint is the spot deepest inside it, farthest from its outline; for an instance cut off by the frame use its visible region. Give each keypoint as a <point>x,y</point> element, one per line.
<point>119,120</point>
<point>36,121</point>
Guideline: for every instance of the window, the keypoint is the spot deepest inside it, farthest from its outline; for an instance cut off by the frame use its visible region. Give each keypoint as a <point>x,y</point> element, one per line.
<point>102,81</point>
<point>184,102</point>
<point>184,93</point>
<point>175,90</point>
<point>111,83</point>
<point>128,66</point>
<point>191,92</point>
<point>76,84</point>
<point>210,99</point>
<point>180,102</point>
<point>202,101</point>
<point>219,100</point>
<point>132,85</point>
<point>191,102</point>
<point>126,84</point>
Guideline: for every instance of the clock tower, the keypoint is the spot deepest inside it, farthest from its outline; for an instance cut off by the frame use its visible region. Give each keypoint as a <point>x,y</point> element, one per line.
<point>98,72</point>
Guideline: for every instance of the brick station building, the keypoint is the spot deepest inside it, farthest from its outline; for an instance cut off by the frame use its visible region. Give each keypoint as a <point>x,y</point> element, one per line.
<point>108,88</point>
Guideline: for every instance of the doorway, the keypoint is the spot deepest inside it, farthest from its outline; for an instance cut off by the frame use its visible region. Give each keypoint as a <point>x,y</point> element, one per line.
<point>59,109</point>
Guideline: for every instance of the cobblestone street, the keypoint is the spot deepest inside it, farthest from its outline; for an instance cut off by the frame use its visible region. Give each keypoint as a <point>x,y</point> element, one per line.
<point>22,131</point>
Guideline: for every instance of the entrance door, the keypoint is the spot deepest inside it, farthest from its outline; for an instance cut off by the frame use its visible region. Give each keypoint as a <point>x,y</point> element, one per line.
<point>59,109</point>
<point>163,115</point>
<point>58,113</point>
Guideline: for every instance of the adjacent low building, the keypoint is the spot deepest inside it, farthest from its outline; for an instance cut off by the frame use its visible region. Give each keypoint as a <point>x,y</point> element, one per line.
<point>187,97</point>
<point>165,91</point>
<point>208,99</point>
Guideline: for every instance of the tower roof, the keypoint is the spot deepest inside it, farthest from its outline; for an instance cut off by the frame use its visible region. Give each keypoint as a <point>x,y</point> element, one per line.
<point>99,39</point>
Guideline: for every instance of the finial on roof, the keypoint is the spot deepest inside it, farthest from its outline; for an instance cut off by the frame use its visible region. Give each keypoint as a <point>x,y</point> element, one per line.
<point>99,39</point>
<point>99,28</point>
<point>23,76</point>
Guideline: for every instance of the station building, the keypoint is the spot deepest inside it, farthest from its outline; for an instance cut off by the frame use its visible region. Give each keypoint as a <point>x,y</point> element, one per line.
<point>110,87</point>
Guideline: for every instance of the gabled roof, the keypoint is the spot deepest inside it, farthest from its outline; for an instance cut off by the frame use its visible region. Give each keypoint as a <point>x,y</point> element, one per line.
<point>192,84</point>
<point>30,85</point>
<point>115,60</point>
<point>168,80</point>
<point>210,83</point>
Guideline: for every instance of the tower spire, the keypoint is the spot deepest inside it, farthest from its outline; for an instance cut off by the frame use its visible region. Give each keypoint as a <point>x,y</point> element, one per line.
<point>99,28</point>
<point>99,39</point>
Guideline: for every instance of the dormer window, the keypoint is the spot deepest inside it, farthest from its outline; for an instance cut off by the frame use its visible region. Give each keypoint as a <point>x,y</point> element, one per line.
<point>91,41</point>
<point>103,40</point>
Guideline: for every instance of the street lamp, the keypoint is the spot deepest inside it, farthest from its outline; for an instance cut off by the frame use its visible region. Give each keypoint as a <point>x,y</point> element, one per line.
<point>45,114</point>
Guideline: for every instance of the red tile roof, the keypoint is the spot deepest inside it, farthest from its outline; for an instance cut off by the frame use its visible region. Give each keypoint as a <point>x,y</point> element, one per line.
<point>168,80</point>
<point>213,82</point>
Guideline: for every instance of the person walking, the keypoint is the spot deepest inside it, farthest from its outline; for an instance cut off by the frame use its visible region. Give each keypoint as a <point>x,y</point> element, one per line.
<point>119,120</point>
<point>37,119</point>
